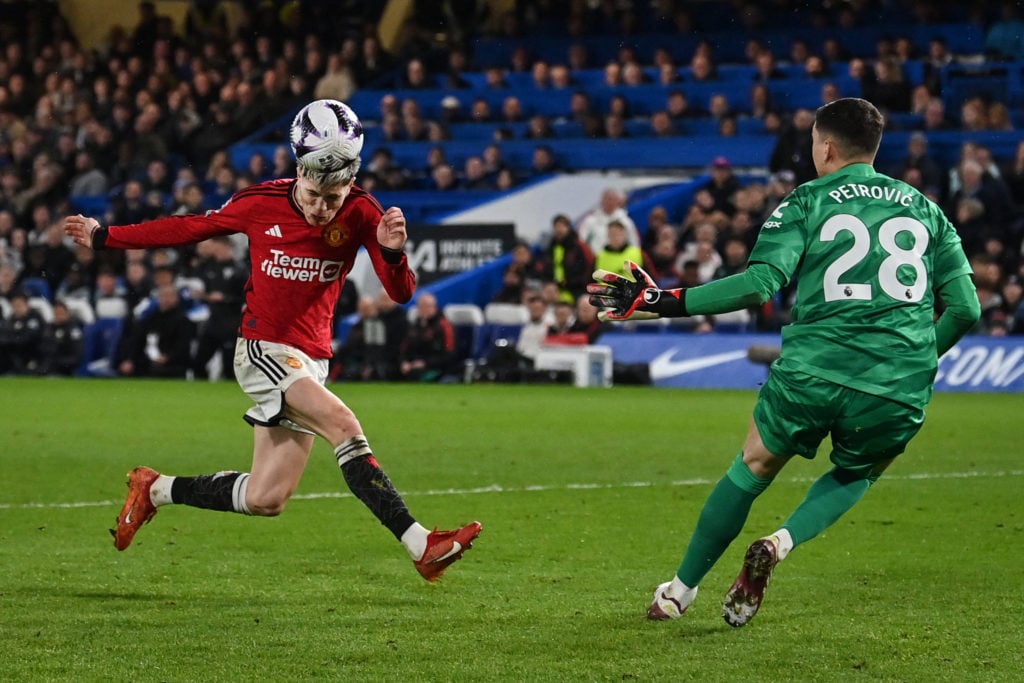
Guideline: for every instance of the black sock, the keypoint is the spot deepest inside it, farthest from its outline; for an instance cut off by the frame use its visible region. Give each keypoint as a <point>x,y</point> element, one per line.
<point>370,485</point>
<point>211,491</point>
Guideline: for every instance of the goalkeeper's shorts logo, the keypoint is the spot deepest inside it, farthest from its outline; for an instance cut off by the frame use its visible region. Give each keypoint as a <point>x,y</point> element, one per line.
<point>652,296</point>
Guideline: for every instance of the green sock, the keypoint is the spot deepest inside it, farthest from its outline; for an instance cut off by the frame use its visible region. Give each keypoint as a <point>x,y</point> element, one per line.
<point>827,500</point>
<point>721,520</point>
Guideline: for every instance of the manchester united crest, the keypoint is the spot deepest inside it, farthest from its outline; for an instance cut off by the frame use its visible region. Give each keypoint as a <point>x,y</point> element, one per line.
<point>334,235</point>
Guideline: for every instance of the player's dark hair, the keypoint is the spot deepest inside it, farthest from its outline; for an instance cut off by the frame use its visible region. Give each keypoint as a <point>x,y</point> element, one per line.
<point>854,124</point>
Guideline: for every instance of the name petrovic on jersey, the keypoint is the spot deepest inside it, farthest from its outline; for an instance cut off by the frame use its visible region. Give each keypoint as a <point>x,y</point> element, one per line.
<point>300,268</point>
<point>853,190</point>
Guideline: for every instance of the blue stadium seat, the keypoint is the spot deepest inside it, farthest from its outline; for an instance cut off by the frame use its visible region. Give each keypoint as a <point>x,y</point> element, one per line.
<point>37,286</point>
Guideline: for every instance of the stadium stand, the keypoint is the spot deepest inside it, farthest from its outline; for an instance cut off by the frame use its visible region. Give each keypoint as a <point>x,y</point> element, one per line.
<point>205,98</point>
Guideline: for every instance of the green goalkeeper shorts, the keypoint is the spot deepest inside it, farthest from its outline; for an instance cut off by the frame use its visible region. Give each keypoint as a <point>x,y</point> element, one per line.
<point>795,411</point>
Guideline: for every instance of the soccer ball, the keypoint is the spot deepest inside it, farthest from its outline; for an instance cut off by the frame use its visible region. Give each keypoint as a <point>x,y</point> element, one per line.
<point>326,136</point>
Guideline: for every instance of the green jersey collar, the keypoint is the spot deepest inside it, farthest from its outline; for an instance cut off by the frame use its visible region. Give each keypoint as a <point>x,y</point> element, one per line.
<point>856,170</point>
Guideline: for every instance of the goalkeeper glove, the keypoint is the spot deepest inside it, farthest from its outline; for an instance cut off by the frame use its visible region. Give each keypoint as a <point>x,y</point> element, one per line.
<point>620,298</point>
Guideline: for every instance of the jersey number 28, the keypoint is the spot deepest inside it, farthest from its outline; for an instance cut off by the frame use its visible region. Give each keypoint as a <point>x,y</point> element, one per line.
<point>897,256</point>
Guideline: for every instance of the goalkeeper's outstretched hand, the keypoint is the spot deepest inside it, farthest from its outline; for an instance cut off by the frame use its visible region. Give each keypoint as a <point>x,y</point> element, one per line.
<point>619,298</point>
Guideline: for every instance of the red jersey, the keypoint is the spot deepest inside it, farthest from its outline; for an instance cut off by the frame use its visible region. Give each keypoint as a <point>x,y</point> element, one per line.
<point>298,269</point>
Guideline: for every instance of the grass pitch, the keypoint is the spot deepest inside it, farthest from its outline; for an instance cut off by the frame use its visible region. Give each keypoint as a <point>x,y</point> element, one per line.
<point>587,498</point>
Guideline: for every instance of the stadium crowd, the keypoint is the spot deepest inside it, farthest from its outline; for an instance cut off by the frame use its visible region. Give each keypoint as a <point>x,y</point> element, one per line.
<point>142,127</point>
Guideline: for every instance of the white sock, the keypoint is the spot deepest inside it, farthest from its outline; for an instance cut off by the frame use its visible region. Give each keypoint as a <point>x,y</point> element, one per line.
<point>415,540</point>
<point>160,491</point>
<point>679,591</point>
<point>785,543</point>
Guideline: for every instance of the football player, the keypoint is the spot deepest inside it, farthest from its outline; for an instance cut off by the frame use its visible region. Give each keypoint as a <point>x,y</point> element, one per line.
<point>303,234</point>
<point>870,254</point>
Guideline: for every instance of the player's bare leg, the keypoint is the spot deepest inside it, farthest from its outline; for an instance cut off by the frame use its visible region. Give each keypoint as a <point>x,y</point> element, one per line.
<point>313,406</point>
<point>279,458</point>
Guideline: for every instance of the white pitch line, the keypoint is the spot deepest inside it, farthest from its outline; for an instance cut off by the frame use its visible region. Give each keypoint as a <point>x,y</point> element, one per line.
<point>498,488</point>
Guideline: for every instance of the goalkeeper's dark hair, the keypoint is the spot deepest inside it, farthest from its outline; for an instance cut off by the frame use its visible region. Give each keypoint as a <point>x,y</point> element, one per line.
<point>854,124</point>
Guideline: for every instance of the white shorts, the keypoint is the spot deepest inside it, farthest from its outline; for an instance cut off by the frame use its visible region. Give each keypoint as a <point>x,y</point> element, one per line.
<point>265,370</point>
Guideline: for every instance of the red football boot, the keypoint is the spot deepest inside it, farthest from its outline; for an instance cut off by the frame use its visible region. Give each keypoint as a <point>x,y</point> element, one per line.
<point>445,547</point>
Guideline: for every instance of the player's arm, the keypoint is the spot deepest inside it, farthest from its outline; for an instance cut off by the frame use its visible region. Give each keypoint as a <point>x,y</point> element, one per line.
<point>623,299</point>
<point>387,253</point>
<point>173,231</point>
<point>963,310</point>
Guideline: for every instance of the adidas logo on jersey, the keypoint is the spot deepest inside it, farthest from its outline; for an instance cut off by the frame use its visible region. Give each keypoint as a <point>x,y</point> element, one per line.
<point>274,231</point>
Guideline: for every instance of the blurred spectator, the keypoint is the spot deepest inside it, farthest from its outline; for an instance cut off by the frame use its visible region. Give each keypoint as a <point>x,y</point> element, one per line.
<point>793,148</point>
<point>192,200</point>
<point>458,64</point>
<point>999,117</point>
<point>660,260</point>
<point>62,343</point>
<point>1005,37</point>
<point>518,277</point>
<point>657,222</point>
<point>722,185</point>
<point>130,206</point>
<point>88,180</point>
<point>974,115</point>
<point>429,344</point>
<point>586,322</point>
<point>938,58</point>
<point>338,81</point>
<point>593,227</point>
<point>161,342</point>
<point>540,128</point>
<point>702,69</point>
<point>224,280</point>
<point>562,319</point>
<point>532,335</point>
<point>543,161</point>
<point>889,90</point>
<point>766,68</point>
<point>567,261</point>
<point>373,62</point>
<point>364,356</point>
<point>474,176</point>
<point>935,118</point>
<point>701,211</point>
<point>976,183</point>
<point>702,252</point>
<point>1013,174</point>
<point>20,336</point>
<point>617,250</point>
<point>1013,304</point>
<point>918,158</point>
<point>396,323</point>
<point>662,125</point>
<point>679,107</point>
<point>987,279</point>
<point>444,178</point>
<point>734,260</point>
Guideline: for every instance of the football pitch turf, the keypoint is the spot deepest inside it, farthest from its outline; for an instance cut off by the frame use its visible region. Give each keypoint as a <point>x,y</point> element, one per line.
<point>587,498</point>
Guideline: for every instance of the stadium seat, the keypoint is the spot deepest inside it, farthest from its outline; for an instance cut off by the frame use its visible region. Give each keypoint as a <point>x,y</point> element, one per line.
<point>111,308</point>
<point>467,320</point>
<point>37,287</point>
<point>43,306</point>
<point>506,314</point>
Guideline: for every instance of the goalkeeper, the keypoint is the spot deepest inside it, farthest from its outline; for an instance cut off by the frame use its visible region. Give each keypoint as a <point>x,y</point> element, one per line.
<point>870,254</point>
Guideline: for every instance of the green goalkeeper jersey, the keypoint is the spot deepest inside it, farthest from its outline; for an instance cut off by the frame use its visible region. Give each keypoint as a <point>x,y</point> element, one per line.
<point>867,252</point>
